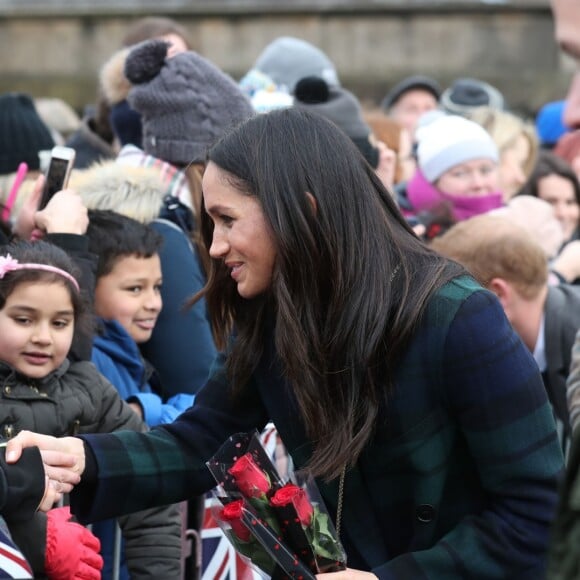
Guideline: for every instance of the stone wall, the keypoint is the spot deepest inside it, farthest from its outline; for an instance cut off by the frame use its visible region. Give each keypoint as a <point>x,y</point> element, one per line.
<point>55,48</point>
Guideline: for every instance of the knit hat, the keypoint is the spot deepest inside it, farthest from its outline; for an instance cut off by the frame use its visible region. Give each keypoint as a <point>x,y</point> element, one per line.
<point>549,124</point>
<point>286,60</point>
<point>450,140</point>
<point>412,83</point>
<point>467,93</point>
<point>341,107</point>
<point>22,133</point>
<point>186,103</point>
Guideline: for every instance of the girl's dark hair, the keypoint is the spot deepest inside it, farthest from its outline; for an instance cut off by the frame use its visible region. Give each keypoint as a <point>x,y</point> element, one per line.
<point>40,252</point>
<point>550,164</point>
<point>350,283</point>
<point>113,236</point>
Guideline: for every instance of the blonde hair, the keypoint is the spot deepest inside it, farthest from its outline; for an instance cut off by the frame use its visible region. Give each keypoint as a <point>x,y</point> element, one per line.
<point>492,246</point>
<point>505,128</point>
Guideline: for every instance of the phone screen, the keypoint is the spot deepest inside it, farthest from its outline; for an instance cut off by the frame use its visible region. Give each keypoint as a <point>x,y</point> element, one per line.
<point>57,171</point>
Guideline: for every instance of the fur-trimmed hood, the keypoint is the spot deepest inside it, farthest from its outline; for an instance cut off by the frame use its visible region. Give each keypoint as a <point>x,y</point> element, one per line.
<point>114,84</point>
<point>136,192</point>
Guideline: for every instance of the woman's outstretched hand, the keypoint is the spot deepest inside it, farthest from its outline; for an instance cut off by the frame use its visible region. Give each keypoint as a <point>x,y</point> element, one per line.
<point>63,457</point>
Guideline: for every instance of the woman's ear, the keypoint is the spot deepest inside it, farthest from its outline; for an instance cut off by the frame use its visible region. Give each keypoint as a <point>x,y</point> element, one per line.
<point>312,202</point>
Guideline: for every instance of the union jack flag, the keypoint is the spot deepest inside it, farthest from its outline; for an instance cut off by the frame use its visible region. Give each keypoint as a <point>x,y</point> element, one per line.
<point>12,563</point>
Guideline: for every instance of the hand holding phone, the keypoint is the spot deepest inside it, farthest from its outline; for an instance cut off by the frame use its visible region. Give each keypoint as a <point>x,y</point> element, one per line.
<point>59,168</point>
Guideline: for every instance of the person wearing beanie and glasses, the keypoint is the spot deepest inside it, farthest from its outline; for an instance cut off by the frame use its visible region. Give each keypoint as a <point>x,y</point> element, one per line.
<point>457,172</point>
<point>411,98</point>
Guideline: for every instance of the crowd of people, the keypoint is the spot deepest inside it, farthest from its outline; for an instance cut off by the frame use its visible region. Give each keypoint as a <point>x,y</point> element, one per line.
<point>392,291</point>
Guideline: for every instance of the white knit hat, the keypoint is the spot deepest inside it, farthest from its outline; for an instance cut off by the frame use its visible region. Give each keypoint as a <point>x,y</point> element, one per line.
<point>450,140</point>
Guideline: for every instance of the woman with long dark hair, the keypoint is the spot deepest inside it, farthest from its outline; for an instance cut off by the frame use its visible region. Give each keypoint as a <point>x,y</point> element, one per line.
<point>390,374</point>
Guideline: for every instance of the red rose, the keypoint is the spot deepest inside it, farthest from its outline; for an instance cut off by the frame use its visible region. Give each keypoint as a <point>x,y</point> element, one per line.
<point>232,513</point>
<point>292,494</point>
<point>251,480</point>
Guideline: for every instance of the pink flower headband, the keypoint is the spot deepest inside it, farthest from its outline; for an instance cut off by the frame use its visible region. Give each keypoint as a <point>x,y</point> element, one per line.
<point>9,264</point>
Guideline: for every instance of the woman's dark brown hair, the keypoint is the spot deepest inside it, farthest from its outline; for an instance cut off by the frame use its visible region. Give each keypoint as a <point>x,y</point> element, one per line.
<point>551,164</point>
<point>350,282</point>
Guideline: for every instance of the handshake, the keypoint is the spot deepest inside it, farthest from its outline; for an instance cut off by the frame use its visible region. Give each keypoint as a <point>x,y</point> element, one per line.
<point>63,461</point>
<point>72,551</point>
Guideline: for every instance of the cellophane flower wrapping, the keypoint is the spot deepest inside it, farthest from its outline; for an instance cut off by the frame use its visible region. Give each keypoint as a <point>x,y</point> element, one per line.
<point>281,526</point>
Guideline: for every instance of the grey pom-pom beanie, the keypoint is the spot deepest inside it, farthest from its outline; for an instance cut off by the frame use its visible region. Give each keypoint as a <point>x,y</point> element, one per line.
<point>186,103</point>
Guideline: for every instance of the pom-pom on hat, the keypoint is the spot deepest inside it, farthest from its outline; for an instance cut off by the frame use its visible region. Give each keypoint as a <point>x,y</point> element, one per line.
<point>23,133</point>
<point>450,140</point>
<point>186,103</point>
<point>286,60</point>
<point>465,94</point>
<point>341,107</point>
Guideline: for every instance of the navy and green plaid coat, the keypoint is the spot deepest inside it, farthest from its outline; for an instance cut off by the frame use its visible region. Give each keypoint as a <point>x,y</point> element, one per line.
<point>459,480</point>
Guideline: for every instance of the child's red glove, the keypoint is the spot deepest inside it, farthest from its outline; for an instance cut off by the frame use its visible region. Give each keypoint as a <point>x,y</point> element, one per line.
<point>71,549</point>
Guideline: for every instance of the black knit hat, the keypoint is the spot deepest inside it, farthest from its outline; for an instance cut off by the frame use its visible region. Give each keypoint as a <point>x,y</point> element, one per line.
<point>412,83</point>
<point>466,94</point>
<point>22,133</point>
<point>341,107</point>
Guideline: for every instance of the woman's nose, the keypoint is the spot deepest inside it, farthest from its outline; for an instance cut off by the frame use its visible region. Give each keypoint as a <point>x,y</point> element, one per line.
<point>219,245</point>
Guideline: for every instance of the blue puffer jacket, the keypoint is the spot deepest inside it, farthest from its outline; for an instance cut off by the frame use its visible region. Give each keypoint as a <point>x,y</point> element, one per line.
<point>117,356</point>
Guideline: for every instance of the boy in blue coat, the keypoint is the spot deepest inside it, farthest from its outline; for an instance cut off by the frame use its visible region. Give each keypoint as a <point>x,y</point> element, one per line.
<point>127,303</point>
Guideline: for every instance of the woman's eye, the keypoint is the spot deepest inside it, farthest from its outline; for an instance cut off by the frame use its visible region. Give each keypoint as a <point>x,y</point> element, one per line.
<point>134,289</point>
<point>226,219</point>
<point>22,320</point>
<point>61,323</point>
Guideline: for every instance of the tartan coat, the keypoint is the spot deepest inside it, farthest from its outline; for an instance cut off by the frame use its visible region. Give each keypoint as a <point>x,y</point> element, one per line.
<point>458,481</point>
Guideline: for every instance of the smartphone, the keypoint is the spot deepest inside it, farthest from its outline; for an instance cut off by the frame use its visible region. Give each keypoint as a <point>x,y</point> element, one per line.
<point>60,165</point>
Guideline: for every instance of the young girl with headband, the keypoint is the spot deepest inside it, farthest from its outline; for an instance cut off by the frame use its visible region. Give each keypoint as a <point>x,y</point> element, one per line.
<point>40,305</point>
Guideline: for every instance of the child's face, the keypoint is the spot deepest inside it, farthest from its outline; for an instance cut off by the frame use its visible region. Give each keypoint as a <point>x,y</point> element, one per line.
<point>130,294</point>
<point>36,328</point>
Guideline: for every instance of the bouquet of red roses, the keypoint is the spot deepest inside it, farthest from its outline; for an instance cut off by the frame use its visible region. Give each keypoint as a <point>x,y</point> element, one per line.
<point>281,527</point>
